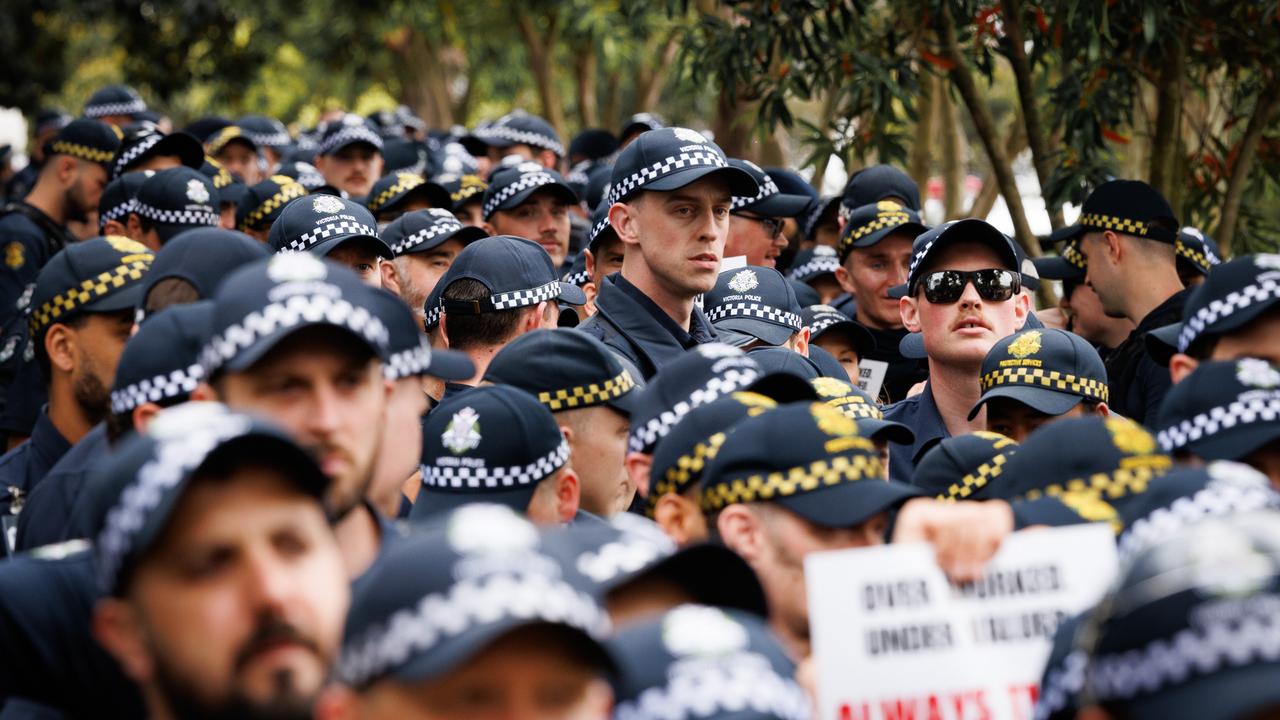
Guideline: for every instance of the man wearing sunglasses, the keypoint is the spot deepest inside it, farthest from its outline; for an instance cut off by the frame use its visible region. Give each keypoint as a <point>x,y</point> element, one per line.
<point>963,294</point>
<point>755,225</point>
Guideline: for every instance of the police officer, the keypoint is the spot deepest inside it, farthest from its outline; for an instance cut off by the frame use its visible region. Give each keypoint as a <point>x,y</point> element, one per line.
<point>260,205</point>
<point>145,147</point>
<point>115,105</point>
<point>601,257</point>
<point>1197,254</point>
<point>171,201</point>
<point>519,136</point>
<point>756,307</point>
<point>821,222</point>
<point>816,267</point>
<point>669,198</point>
<point>116,203</point>
<point>756,223</point>
<point>871,185</point>
<point>846,340</point>
<point>591,394</point>
<point>235,149</point>
<point>964,467</point>
<point>335,228</point>
<point>1079,302</point>
<point>47,124</point>
<point>529,201</point>
<point>425,244</point>
<point>350,155</point>
<point>402,192</point>
<point>270,135</point>
<point>862,408</point>
<point>224,589</point>
<point>466,195</point>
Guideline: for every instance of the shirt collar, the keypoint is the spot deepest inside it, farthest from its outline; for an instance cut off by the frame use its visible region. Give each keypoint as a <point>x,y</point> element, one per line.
<point>699,331</point>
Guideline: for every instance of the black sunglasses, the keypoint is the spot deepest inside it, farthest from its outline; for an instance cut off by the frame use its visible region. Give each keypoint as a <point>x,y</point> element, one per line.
<point>773,226</point>
<point>946,286</point>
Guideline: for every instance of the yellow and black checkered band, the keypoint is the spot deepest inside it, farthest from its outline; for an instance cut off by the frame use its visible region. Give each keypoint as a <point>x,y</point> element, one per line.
<point>588,395</point>
<point>856,407</point>
<point>224,136</point>
<point>1087,388</point>
<point>1193,254</point>
<point>84,152</point>
<point>883,219</point>
<point>687,470</point>
<point>290,189</point>
<point>405,181</point>
<point>469,185</point>
<point>222,178</point>
<point>806,478</point>
<point>1071,253</point>
<point>126,273</point>
<point>1092,497</point>
<point>1128,226</point>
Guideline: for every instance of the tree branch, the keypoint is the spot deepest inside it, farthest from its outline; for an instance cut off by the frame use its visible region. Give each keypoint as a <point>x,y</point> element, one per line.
<point>1034,127</point>
<point>1268,101</point>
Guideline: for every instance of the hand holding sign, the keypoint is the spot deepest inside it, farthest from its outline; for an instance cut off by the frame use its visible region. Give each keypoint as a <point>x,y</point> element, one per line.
<point>965,535</point>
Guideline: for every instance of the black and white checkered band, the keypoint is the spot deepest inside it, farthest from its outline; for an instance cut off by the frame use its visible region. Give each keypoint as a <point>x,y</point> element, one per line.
<point>521,137</point>
<point>768,188</point>
<point>811,219</point>
<point>597,229</point>
<point>496,478</point>
<point>756,311</point>
<point>817,265</point>
<point>1250,407</point>
<point>176,217</point>
<point>576,278</point>
<point>291,312</point>
<point>117,108</point>
<point>408,363</point>
<point>578,173</point>
<point>442,226</point>
<point>739,683</point>
<point>681,161</point>
<point>431,317</point>
<point>336,227</point>
<point>505,301</point>
<point>627,554</point>
<point>1267,288</point>
<point>916,258</point>
<point>161,387</point>
<point>644,437</point>
<point>271,140</point>
<point>173,460</point>
<point>822,322</point>
<point>527,181</point>
<point>1061,685</point>
<point>132,153</point>
<point>468,604</point>
<point>119,212</point>
<point>347,135</point>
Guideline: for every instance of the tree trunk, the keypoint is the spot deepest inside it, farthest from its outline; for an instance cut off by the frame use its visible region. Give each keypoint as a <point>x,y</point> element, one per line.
<point>729,127</point>
<point>922,149</point>
<point>541,44</point>
<point>820,164</point>
<point>612,116</point>
<point>1166,141</point>
<point>986,198</point>
<point>585,75</point>
<point>650,79</point>
<point>1266,106</point>
<point>953,170</point>
<point>1032,124</point>
<point>962,78</point>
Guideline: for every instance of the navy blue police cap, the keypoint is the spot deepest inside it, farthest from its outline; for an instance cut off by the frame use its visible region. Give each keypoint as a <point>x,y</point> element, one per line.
<point>202,257</point>
<point>641,122</point>
<point>1130,207</point>
<point>454,587</point>
<point>402,154</point>
<point>161,362</point>
<point>205,126</point>
<point>597,187</point>
<point>855,403</point>
<point>265,131</point>
<point>490,444</point>
<point>827,364</point>
<point>565,370</point>
<point>265,302</point>
<point>144,140</point>
<point>262,203</point>
<point>90,140</point>
<point>577,272</point>
<point>232,194</point>
<point>98,275</point>
<point>826,472</point>
<point>319,224</point>
<point>769,200</point>
<point>114,100</point>
<point>785,361</point>
<point>227,135</point>
<point>450,160</point>
<point>516,128</point>
<point>1196,250</point>
<point>517,272</point>
<point>396,188</point>
<point>932,242</point>
<point>593,144</point>
<point>819,208</point>
<point>821,319</point>
<point>350,129</point>
<point>754,303</point>
<point>304,172</point>
<point>879,182</point>
<point>118,197</point>
<point>601,229</point>
<point>791,182</point>
<point>1050,371</point>
<point>1069,264</point>
<point>697,377</point>
<point>511,185</point>
<point>963,467</point>
<point>678,665</point>
<point>1223,410</point>
<point>1232,295</point>
<point>408,352</point>
<point>669,159</point>
<point>213,170</point>
<point>463,189</point>
<point>805,294</point>
<point>869,224</point>
<point>420,231</point>
<point>813,263</point>
<point>139,487</point>
<point>177,199</point>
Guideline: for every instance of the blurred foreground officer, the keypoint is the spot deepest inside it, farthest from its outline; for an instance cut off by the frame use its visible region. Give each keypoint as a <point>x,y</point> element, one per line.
<point>335,228</point>
<point>472,617</point>
<point>350,155</point>
<point>224,590</point>
<point>425,244</point>
<point>669,197</point>
<point>708,663</point>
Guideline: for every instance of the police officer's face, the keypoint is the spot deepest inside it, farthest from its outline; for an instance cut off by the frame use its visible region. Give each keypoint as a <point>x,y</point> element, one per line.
<point>359,255</point>
<point>85,190</point>
<point>543,218</point>
<point>472,214</point>
<point>1016,421</point>
<point>680,235</point>
<point>528,674</point>
<point>419,272</point>
<point>241,604</point>
<point>598,442</point>
<point>353,169</point>
<point>99,341</point>
<point>326,391</point>
<point>606,260</point>
<point>239,158</point>
<point>760,240</point>
<point>868,274</point>
<point>401,449</point>
<point>1088,319</point>
<point>842,348</point>
<point>1102,275</point>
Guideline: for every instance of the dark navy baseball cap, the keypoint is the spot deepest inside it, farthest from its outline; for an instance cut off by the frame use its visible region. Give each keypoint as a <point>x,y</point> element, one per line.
<point>1070,264</point>
<point>967,230</point>
<point>118,197</point>
<point>1197,250</point>
<point>90,140</point>
<point>601,229</point>
<point>319,224</point>
<point>260,205</point>
<point>669,159</point>
<point>791,182</point>
<point>1232,295</point>
<point>516,128</point>
<point>1048,370</point>
<point>813,263</point>
<point>824,206</point>
<point>805,294</point>
<point>565,370</point>
<point>821,319</point>
<point>463,189</point>
<point>768,201</point>
<point>348,130</point>
<point>597,187</point>
<point>593,144</point>
<point>826,472</point>
<point>98,275</point>
<point>697,377</point>
<point>641,122</point>
<point>219,175</point>
<point>137,489</point>
<point>161,362</point>
<point>265,131</point>
<point>510,186</point>
<point>1131,207</point>
<point>879,182</point>
<point>490,444</point>
<point>962,467</point>
<point>1223,410</point>
<point>517,272</point>
<point>144,140</point>
<point>756,303</point>
<point>710,663</point>
<point>785,361</point>
<point>227,135</point>
<point>483,571</point>
<point>202,257</point>
<point>178,199</point>
<point>577,272</point>
<point>305,173</point>
<point>395,188</point>
<point>408,352</point>
<point>114,100</point>
<point>422,230</point>
<point>264,302</point>
<point>862,408</point>
<point>867,225</point>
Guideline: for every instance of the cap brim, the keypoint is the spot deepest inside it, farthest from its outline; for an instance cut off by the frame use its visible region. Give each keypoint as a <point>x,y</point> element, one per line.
<point>432,502</point>
<point>474,145</point>
<point>562,190</point>
<point>741,184</point>
<point>911,228</point>
<point>572,294</point>
<point>1065,233</point>
<point>1042,400</point>
<point>450,365</point>
<point>627,402</point>
<point>887,430</point>
<point>358,141</point>
<point>848,504</point>
<point>767,332</point>
<point>911,346</point>
<point>1229,694</point>
<point>467,234</point>
<point>783,388</point>
<point>863,341</point>
<point>325,247</point>
<point>1054,267</point>
<point>780,205</point>
<point>734,338</point>
<point>1162,343</point>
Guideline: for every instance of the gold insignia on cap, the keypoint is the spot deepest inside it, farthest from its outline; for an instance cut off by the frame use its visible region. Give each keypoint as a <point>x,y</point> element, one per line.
<point>888,206</point>
<point>1129,437</point>
<point>1026,344</point>
<point>831,421</point>
<point>830,387</point>
<point>757,402</point>
<point>15,255</point>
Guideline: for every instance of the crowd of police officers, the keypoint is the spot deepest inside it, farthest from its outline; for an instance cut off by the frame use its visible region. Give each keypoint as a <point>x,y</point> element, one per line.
<point>373,420</point>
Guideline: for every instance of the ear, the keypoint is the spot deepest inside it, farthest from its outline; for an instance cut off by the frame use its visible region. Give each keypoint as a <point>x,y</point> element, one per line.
<point>910,312</point>
<point>680,518</point>
<point>591,291</point>
<point>1021,307</point>
<point>133,226</point>
<point>568,494</point>
<point>623,219</point>
<point>590,261</point>
<point>488,228</point>
<point>1102,410</point>
<point>537,318</point>
<point>741,531</point>
<point>638,467</point>
<point>68,170</point>
<point>443,329</point>
<point>549,160</point>
<point>60,344</point>
<point>567,432</point>
<point>203,392</point>
<point>1113,246</point>
<point>845,278</point>
<point>321,162</point>
<point>802,342</point>
<point>144,413</point>
<point>389,279</point>
<point>1181,365</point>
<point>116,627</point>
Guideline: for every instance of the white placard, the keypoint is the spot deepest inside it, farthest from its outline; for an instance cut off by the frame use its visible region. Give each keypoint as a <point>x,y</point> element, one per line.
<point>894,640</point>
<point>871,376</point>
<point>733,263</point>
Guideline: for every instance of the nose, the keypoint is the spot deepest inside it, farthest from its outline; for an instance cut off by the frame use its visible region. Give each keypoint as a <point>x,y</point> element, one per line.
<point>897,274</point>
<point>268,582</point>
<point>970,297</point>
<point>712,227</point>
<point>324,412</point>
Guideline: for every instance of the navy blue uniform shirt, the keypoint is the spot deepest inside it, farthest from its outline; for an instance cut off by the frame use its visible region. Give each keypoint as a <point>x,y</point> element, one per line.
<point>47,515</point>
<point>1138,384</point>
<point>26,465</point>
<point>637,329</point>
<point>920,413</point>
